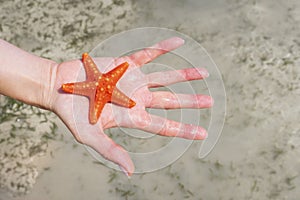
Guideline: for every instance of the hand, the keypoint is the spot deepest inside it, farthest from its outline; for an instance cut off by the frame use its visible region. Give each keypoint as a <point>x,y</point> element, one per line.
<point>135,84</point>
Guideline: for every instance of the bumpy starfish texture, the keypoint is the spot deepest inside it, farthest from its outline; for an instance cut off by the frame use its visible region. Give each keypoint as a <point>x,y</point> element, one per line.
<point>99,88</point>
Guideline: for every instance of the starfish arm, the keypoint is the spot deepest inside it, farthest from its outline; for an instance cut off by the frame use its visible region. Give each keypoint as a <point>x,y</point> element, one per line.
<point>92,72</point>
<point>92,114</point>
<point>96,106</point>
<point>115,74</point>
<point>81,88</point>
<point>121,99</point>
<point>96,111</point>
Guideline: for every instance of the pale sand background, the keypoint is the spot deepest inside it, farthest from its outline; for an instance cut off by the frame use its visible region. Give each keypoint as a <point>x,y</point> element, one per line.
<point>256,46</point>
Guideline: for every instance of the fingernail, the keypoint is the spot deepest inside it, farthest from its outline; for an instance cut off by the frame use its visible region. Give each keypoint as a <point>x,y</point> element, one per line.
<point>203,134</point>
<point>205,101</point>
<point>204,73</point>
<point>125,172</point>
<point>179,40</point>
<point>211,101</point>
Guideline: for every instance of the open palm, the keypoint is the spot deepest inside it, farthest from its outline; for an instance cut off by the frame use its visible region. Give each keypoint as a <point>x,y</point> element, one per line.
<point>73,110</point>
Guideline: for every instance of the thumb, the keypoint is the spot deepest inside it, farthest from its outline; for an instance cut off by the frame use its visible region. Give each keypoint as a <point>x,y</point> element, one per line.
<point>106,147</point>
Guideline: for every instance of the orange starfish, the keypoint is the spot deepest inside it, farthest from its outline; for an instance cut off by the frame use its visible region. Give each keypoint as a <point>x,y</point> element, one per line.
<point>99,88</point>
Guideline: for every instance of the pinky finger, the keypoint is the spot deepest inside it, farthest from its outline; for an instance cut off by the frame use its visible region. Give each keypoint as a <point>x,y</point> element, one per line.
<point>148,54</point>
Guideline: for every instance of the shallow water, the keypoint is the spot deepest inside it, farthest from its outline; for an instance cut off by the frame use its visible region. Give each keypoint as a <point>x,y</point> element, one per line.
<point>256,47</point>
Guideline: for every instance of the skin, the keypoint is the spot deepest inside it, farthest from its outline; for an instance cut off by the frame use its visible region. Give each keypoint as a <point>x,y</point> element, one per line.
<point>42,79</point>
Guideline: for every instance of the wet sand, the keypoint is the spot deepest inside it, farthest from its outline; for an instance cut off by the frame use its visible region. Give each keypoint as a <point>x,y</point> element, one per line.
<point>256,47</point>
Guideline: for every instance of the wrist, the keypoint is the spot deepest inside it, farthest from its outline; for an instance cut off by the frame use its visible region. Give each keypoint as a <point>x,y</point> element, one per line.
<point>47,92</point>
<point>26,77</point>
<point>64,72</point>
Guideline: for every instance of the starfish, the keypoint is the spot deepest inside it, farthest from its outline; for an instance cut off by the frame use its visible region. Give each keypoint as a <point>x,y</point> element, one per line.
<point>99,88</point>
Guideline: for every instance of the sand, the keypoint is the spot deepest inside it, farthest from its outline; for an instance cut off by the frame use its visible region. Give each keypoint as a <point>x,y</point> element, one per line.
<point>256,47</point>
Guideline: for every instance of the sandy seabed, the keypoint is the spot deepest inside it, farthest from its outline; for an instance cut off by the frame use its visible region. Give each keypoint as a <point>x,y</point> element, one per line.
<point>256,46</point>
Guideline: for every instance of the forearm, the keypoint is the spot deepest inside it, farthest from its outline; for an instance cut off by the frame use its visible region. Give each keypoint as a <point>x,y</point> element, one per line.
<point>25,77</point>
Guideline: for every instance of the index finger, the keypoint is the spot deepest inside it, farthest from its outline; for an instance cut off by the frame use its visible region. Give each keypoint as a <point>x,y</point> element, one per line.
<point>148,54</point>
